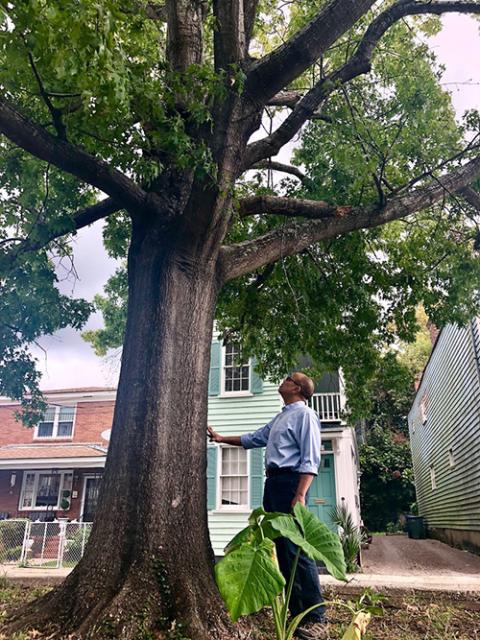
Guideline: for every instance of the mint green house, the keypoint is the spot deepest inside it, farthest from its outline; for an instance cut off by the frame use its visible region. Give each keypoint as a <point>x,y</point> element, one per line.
<point>444,424</point>
<point>239,402</point>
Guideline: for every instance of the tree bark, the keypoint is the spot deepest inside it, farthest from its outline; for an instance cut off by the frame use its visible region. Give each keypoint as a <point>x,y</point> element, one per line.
<point>149,563</point>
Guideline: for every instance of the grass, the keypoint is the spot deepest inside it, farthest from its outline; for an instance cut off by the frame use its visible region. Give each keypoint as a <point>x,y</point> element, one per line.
<point>407,616</point>
<point>418,615</point>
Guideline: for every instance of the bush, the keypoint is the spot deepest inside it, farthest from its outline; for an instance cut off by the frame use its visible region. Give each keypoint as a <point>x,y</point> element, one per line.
<point>12,533</point>
<point>387,489</point>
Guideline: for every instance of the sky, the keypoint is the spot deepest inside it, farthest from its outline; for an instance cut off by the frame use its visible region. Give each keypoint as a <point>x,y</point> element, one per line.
<point>66,360</point>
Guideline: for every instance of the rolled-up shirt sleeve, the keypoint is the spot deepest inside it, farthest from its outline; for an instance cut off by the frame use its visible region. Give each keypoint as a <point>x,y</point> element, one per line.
<point>309,442</point>
<point>258,438</point>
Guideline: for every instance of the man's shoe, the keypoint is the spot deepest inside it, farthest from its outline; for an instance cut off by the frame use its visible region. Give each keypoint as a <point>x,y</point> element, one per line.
<point>312,631</point>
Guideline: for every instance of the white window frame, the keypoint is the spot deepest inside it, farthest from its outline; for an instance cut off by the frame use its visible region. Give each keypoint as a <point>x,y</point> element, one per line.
<point>233,394</point>
<point>56,421</point>
<point>38,473</point>
<point>424,408</point>
<point>451,458</point>
<point>433,478</point>
<point>240,508</point>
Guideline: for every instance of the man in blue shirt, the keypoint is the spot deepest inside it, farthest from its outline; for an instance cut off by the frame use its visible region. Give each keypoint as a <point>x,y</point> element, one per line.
<point>292,440</point>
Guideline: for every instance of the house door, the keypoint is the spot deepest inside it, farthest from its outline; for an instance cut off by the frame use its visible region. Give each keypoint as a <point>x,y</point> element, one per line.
<point>90,497</point>
<point>322,494</point>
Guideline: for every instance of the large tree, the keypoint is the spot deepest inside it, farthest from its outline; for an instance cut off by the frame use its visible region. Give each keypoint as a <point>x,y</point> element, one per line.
<point>154,106</point>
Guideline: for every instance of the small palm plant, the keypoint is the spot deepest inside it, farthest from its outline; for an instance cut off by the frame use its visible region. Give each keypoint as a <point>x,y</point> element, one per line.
<point>249,578</point>
<point>351,536</point>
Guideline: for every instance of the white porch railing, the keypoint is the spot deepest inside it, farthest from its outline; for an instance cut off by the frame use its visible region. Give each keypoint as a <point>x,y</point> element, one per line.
<point>327,405</point>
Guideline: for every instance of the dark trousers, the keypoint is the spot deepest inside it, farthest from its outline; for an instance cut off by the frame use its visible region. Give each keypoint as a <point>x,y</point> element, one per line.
<point>278,495</point>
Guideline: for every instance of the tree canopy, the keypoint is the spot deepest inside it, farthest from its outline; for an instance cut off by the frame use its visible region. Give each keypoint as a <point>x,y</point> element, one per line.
<point>345,299</point>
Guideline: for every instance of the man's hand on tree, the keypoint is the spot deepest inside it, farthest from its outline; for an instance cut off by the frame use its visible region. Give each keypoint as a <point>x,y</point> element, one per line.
<point>213,435</point>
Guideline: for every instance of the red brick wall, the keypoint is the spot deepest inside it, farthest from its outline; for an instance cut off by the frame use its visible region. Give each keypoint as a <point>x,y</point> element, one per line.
<point>10,496</point>
<point>91,419</point>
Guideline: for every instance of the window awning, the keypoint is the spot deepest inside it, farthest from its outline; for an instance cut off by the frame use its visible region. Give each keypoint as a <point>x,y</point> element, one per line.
<point>44,456</point>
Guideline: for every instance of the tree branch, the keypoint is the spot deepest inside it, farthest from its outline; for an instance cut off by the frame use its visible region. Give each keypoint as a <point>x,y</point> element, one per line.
<point>229,39</point>
<point>72,159</point>
<point>242,258</point>
<point>471,196</point>
<point>286,99</point>
<point>83,217</point>
<point>284,168</point>
<point>358,64</point>
<point>54,112</point>
<point>272,73</point>
<point>249,12</point>
<point>184,33</point>
<point>290,207</point>
<point>290,99</point>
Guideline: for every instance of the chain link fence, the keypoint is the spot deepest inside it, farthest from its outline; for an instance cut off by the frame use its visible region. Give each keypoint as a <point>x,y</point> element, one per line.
<point>42,544</point>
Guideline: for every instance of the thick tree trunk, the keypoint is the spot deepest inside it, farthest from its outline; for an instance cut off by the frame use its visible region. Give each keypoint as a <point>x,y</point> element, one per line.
<point>149,563</point>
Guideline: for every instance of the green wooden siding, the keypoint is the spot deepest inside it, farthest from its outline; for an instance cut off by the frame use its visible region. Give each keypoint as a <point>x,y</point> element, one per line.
<point>234,415</point>
<point>452,384</point>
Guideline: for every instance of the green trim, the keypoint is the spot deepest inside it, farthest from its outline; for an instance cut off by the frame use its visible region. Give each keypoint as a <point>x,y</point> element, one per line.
<point>211,478</point>
<point>256,477</point>
<point>215,365</point>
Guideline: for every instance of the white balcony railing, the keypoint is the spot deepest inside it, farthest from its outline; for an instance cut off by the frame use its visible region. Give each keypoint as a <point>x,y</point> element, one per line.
<point>327,405</point>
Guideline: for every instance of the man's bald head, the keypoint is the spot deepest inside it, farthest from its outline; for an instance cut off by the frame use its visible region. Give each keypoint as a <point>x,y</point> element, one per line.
<point>296,386</point>
<point>306,384</point>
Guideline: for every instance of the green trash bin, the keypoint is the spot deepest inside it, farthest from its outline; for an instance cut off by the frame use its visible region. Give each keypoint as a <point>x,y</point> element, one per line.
<point>415,527</point>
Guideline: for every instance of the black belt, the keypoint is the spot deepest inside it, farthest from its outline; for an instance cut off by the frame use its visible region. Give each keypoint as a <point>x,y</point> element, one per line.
<point>279,471</point>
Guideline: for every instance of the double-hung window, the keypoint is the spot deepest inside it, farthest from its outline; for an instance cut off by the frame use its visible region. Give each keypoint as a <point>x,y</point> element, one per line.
<point>236,371</point>
<point>44,489</point>
<point>57,422</point>
<point>233,485</point>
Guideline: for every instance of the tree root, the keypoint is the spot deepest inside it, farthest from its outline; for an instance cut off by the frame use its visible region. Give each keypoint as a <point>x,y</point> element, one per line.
<point>131,614</point>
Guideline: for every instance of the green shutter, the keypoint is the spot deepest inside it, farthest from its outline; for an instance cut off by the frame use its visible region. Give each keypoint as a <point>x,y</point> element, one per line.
<point>211,478</point>
<point>215,363</point>
<point>257,382</point>
<point>256,477</point>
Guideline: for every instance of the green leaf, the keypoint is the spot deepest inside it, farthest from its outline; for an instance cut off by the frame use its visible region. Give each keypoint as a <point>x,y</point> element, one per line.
<point>244,536</point>
<point>255,516</point>
<point>315,539</point>
<point>249,578</point>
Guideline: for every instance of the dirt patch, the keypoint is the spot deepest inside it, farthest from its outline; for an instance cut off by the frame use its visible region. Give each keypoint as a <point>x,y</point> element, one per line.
<point>400,555</point>
<point>408,615</point>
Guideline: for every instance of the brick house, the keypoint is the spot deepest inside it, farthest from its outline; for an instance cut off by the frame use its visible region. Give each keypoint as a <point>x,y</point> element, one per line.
<point>54,469</point>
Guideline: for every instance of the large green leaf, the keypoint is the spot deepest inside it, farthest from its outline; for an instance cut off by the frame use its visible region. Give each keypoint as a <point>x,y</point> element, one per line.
<point>258,520</point>
<point>312,536</point>
<point>246,535</point>
<point>249,578</point>
<point>318,542</point>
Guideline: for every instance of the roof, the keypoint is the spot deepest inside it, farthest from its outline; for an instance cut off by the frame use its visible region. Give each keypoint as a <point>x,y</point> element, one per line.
<point>55,451</point>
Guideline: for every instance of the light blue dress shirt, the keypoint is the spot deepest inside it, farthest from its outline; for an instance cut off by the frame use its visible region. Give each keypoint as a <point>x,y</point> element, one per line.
<point>292,439</point>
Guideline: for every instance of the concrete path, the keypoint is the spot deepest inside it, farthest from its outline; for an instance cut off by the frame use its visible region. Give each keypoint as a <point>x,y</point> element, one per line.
<point>391,562</point>
<point>464,584</point>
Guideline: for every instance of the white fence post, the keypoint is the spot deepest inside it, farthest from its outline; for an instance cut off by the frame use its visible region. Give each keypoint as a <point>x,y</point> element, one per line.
<point>25,545</point>
<point>62,523</point>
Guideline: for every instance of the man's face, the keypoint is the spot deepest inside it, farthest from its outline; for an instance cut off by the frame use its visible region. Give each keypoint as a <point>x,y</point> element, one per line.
<point>289,385</point>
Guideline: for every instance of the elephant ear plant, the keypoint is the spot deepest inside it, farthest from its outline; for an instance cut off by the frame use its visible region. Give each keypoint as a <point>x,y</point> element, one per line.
<point>249,577</point>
